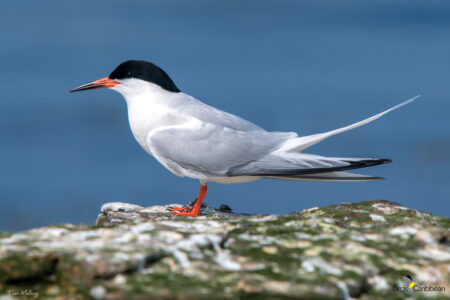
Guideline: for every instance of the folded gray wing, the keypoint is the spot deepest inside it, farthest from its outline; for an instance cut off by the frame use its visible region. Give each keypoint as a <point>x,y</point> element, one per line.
<point>211,149</point>
<point>300,164</point>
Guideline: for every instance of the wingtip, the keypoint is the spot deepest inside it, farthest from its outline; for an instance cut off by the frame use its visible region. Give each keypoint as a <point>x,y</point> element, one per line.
<point>363,163</point>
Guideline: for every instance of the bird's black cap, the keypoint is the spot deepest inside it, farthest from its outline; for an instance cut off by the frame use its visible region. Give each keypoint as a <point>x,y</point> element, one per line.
<point>146,71</point>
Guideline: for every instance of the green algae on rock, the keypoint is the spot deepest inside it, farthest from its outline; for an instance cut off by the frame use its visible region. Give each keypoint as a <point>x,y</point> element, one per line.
<point>359,250</point>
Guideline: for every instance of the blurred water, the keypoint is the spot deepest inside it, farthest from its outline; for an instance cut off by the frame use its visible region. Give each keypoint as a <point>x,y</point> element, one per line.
<point>306,66</point>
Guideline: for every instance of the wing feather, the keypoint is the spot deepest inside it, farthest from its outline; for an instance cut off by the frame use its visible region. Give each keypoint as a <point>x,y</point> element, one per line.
<point>210,149</point>
<point>299,164</point>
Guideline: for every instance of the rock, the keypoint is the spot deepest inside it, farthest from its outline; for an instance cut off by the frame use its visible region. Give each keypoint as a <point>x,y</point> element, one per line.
<point>120,207</point>
<point>358,250</point>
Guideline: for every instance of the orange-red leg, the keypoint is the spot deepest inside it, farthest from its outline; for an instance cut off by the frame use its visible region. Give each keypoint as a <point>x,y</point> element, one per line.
<point>195,210</point>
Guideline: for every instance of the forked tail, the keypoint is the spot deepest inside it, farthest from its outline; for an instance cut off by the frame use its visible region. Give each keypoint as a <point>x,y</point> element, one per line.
<point>301,143</point>
<point>288,163</point>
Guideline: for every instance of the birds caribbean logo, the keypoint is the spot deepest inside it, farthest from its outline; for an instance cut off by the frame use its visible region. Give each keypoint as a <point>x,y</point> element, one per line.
<point>410,285</point>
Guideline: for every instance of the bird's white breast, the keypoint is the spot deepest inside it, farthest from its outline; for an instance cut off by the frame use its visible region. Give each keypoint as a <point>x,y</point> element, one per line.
<point>152,110</point>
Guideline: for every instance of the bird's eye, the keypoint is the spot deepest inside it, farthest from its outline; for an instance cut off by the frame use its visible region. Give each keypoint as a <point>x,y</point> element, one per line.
<point>129,74</point>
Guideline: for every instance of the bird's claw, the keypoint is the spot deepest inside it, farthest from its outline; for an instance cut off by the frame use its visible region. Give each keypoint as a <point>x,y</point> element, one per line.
<point>176,210</point>
<point>185,211</point>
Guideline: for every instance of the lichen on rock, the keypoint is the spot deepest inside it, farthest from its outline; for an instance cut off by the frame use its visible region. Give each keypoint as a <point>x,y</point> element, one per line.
<point>358,250</point>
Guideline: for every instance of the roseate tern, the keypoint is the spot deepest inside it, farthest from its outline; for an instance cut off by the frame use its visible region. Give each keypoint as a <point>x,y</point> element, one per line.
<point>196,140</point>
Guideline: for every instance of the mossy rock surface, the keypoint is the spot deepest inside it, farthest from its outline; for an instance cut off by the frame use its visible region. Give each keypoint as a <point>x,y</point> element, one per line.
<point>353,250</point>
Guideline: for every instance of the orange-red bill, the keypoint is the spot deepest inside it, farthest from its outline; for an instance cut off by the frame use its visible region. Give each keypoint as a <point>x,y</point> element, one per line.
<point>98,84</point>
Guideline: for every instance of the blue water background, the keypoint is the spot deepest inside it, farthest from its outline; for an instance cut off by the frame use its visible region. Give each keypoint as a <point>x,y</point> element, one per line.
<point>304,66</point>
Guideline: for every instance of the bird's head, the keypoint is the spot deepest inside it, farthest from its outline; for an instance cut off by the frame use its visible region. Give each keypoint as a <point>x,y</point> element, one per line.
<point>131,76</point>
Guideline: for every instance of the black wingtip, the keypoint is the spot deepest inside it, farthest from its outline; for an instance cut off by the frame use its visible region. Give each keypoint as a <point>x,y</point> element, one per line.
<point>352,164</point>
<point>367,163</point>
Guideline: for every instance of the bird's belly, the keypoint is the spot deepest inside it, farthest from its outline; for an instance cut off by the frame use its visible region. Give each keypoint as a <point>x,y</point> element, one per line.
<point>234,179</point>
